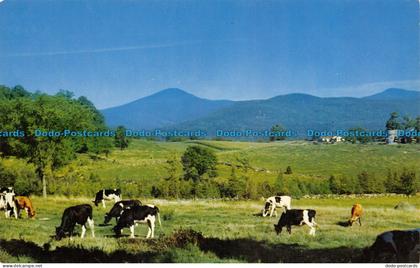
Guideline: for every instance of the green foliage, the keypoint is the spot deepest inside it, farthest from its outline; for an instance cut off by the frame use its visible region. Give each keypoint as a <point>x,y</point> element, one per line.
<point>20,110</point>
<point>359,138</point>
<point>343,185</point>
<point>392,122</point>
<point>277,129</point>
<point>121,141</point>
<point>409,183</point>
<point>197,161</point>
<point>369,184</point>
<point>19,175</point>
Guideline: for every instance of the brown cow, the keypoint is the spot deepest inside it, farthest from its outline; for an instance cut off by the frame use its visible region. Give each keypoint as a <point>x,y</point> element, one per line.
<point>23,202</point>
<point>356,213</point>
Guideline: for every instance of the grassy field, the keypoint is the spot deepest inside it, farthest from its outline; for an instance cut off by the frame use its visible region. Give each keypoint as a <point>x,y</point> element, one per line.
<point>224,231</point>
<point>145,161</point>
<point>216,230</point>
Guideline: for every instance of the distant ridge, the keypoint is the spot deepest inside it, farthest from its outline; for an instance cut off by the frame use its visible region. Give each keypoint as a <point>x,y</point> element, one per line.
<point>164,108</point>
<point>395,94</point>
<point>174,108</point>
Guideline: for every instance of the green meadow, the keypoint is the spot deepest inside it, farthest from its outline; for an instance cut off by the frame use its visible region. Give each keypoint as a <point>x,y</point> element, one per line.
<point>144,161</point>
<point>207,231</point>
<point>218,230</point>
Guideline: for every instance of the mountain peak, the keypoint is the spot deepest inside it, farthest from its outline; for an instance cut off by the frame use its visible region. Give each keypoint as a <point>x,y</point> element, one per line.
<point>395,94</point>
<point>172,92</point>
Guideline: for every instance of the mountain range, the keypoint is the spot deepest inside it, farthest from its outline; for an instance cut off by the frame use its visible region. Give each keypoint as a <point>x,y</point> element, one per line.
<point>177,109</point>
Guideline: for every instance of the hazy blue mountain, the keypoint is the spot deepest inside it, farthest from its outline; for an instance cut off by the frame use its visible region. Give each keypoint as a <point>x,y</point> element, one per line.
<point>165,108</point>
<point>395,94</point>
<point>177,109</point>
<point>301,112</point>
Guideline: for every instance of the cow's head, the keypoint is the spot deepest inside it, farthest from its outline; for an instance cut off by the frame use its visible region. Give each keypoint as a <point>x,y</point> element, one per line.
<point>107,218</point>
<point>31,213</point>
<point>59,233</point>
<point>278,228</point>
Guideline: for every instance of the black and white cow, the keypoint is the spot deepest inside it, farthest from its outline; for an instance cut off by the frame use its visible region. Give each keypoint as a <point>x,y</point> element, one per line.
<point>274,202</point>
<point>7,201</point>
<point>118,209</point>
<point>395,246</point>
<point>138,214</point>
<point>79,214</point>
<point>107,194</point>
<point>296,217</point>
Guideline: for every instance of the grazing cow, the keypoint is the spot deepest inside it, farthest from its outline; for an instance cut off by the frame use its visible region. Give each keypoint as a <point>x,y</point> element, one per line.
<point>276,202</point>
<point>296,217</point>
<point>138,214</point>
<point>395,246</point>
<point>103,195</point>
<point>23,202</point>
<point>118,209</point>
<point>356,213</point>
<point>77,214</point>
<point>9,205</point>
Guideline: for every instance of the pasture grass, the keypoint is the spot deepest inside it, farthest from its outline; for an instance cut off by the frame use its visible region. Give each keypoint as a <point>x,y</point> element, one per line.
<point>232,231</point>
<point>145,161</point>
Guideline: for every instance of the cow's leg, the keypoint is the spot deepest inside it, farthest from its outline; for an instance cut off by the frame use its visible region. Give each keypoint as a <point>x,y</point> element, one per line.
<point>312,231</point>
<point>289,229</point>
<point>15,212</point>
<point>91,226</point>
<point>273,208</point>
<point>151,224</point>
<point>360,222</point>
<point>83,231</point>
<point>103,203</point>
<point>132,231</point>
<point>149,230</point>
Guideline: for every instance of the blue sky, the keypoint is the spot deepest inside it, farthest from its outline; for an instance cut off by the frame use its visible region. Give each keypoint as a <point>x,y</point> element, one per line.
<point>116,51</point>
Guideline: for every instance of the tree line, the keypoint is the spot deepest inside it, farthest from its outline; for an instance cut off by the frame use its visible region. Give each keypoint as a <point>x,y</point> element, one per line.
<point>199,172</point>
<point>28,112</point>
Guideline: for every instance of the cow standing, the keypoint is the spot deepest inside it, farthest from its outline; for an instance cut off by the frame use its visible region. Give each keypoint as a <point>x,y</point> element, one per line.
<point>118,209</point>
<point>24,203</point>
<point>102,195</point>
<point>274,202</point>
<point>138,214</point>
<point>79,214</point>
<point>356,213</point>
<point>7,201</point>
<point>296,217</point>
<point>395,246</point>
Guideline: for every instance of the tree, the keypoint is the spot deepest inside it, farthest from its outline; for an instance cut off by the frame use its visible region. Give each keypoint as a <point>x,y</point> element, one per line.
<point>392,182</point>
<point>51,116</point>
<point>369,183</point>
<point>289,170</point>
<point>392,122</point>
<point>335,184</point>
<point>121,141</point>
<point>197,161</point>
<point>277,129</point>
<point>409,183</point>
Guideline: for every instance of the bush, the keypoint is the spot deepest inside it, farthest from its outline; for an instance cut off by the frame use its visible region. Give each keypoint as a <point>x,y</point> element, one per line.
<point>19,175</point>
<point>369,184</point>
<point>409,183</point>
